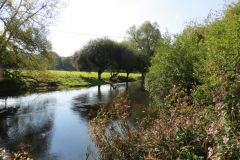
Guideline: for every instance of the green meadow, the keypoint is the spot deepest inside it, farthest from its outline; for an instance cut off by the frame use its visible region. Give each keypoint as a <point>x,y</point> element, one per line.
<point>69,79</point>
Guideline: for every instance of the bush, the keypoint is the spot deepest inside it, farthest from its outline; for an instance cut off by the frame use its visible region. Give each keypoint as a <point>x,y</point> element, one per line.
<point>173,63</point>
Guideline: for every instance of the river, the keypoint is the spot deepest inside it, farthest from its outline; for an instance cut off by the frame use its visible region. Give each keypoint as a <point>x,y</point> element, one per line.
<point>54,125</point>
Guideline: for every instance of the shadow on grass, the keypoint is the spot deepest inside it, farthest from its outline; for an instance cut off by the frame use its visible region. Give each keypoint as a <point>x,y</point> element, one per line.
<point>123,79</point>
<point>93,81</point>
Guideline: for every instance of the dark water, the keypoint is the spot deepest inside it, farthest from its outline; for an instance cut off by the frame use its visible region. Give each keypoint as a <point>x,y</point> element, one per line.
<point>53,125</point>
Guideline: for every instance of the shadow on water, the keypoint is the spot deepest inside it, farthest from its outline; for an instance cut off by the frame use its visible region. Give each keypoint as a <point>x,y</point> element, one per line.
<point>54,125</point>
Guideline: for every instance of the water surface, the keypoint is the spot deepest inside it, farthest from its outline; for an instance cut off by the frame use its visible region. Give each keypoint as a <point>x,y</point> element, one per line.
<point>54,125</point>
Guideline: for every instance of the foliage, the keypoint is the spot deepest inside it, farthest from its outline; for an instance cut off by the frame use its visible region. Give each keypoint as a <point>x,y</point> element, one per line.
<point>143,40</point>
<point>12,82</point>
<point>67,64</point>
<point>185,131</point>
<point>95,55</point>
<point>127,61</point>
<point>104,54</point>
<point>185,60</point>
<point>220,69</point>
<point>195,77</point>
<point>174,62</point>
<point>129,56</point>
<point>63,63</point>
<point>23,31</point>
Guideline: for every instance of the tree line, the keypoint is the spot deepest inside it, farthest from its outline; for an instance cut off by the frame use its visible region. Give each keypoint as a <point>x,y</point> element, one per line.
<point>23,43</point>
<point>131,55</point>
<point>62,63</point>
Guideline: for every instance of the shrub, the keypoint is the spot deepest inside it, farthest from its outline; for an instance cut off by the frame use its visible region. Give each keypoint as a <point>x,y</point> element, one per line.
<point>181,132</point>
<point>173,63</point>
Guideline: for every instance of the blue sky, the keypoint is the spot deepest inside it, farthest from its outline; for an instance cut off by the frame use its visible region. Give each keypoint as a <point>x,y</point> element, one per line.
<point>83,20</point>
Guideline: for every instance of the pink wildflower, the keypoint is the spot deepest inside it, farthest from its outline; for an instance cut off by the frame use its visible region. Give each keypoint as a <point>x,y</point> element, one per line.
<point>210,151</point>
<point>213,158</point>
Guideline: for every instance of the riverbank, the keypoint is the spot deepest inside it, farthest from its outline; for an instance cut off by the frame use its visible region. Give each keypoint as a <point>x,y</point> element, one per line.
<point>57,80</point>
<point>175,129</point>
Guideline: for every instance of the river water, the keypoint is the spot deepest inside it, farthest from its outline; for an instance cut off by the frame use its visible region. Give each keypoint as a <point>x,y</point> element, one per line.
<point>54,126</point>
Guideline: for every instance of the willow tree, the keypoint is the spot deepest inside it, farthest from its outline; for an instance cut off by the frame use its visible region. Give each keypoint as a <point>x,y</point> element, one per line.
<point>104,54</point>
<point>23,31</point>
<point>96,55</point>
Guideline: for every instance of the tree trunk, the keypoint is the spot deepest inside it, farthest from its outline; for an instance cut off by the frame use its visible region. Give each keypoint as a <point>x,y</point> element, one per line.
<point>1,73</point>
<point>143,77</point>
<point>99,75</point>
<point>142,81</point>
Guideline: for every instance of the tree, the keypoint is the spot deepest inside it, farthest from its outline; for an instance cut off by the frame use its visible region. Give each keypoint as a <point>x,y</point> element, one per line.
<point>80,60</point>
<point>96,55</point>
<point>144,40</point>
<point>57,62</point>
<point>104,54</point>
<point>115,60</point>
<point>67,63</point>
<point>23,31</point>
<point>128,60</point>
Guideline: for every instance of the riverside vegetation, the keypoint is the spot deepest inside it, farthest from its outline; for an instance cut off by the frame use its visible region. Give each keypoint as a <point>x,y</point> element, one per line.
<point>192,78</point>
<point>194,83</point>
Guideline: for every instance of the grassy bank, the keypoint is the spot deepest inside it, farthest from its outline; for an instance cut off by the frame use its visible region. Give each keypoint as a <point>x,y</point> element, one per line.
<point>57,80</point>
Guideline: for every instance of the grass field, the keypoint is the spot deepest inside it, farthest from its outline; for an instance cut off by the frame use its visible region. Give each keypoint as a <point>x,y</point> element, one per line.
<point>70,79</point>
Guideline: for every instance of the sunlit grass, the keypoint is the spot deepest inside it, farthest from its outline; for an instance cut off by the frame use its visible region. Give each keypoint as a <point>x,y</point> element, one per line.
<point>73,79</point>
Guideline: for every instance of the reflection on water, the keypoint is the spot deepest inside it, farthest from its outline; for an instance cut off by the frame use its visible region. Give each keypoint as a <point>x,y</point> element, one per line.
<point>55,125</point>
